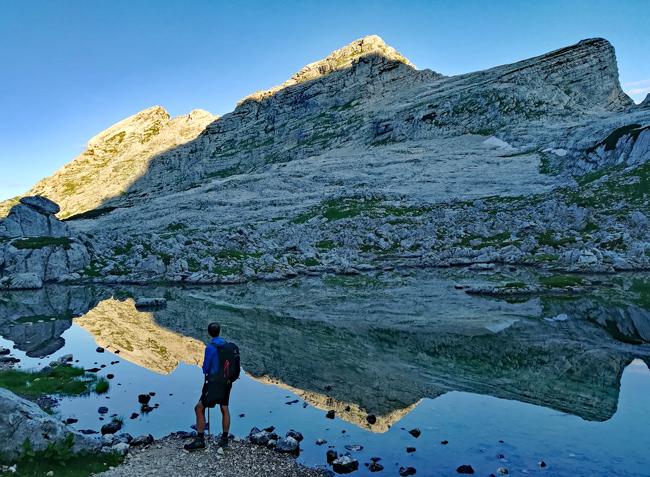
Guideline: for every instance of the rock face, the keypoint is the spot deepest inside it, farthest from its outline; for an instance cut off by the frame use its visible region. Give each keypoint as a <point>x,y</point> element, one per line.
<point>35,246</point>
<point>21,420</point>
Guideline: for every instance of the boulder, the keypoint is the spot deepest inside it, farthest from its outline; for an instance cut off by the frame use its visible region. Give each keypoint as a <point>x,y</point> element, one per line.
<point>287,445</point>
<point>345,464</point>
<point>143,440</point>
<point>21,419</point>
<point>26,221</point>
<point>111,427</point>
<point>260,438</point>
<point>295,434</point>
<point>121,447</point>
<point>42,204</point>
<point>415,432</point>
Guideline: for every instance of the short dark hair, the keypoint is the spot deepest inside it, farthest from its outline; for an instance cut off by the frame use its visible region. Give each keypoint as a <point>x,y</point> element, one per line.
<point>214,329</point>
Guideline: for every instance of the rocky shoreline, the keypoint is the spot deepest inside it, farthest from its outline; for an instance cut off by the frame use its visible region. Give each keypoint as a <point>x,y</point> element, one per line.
<point>166,456</point>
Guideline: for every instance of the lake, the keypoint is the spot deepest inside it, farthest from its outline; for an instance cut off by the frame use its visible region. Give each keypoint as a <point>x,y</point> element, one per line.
<point>552,385</point>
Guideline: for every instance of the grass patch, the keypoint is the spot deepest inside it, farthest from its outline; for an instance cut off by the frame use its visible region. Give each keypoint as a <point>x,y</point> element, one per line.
<point>325,245</point>
<point>354,281</point>
<point>101,386</point>
<point>235,254</point>
<point>61,380</point>
<point>545,257</point>
<point>62,461</point>
<point>176,227</point>
<point>42,242</point>
<point>515,285</point>
<point>561,281</point>
<point>548,238</point>
<point>311,262</point>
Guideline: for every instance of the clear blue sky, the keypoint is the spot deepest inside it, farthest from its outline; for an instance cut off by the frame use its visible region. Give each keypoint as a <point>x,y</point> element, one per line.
<point>70,69</point>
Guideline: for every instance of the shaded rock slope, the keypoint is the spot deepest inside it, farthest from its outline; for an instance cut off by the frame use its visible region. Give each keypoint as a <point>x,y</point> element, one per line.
<point>361,159</point>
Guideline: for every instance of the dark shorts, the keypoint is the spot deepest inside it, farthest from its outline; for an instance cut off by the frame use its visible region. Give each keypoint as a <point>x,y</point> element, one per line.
<point>216,393</point>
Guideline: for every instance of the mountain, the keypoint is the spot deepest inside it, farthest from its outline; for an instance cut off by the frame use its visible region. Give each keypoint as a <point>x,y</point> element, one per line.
<point>115,158</point>
<point>360,159</point>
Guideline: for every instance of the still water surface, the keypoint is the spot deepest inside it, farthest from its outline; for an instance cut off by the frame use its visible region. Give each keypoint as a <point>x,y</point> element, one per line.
<point>564,382</point>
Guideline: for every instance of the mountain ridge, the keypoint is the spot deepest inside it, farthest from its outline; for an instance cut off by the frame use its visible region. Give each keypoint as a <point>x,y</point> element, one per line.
<point>380,161</point>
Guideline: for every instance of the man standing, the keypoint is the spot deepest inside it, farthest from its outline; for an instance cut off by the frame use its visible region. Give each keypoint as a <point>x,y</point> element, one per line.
<point>217,392</point>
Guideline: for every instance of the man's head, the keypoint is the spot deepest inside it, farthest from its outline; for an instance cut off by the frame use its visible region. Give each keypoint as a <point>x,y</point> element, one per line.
<point>214,329</point>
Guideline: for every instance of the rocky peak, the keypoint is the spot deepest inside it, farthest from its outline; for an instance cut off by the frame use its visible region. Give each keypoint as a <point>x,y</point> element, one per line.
<point>115,158</point>
<point>586,72</point>
<point>337,60</point>
<point>140,127</point>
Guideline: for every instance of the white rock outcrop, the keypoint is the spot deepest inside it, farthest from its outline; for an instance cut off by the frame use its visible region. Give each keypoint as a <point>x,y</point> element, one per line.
<point>21,419</point>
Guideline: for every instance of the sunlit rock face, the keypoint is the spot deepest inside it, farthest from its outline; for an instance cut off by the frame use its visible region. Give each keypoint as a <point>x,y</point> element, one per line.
<point>115,158</point>
<point>117,325</point>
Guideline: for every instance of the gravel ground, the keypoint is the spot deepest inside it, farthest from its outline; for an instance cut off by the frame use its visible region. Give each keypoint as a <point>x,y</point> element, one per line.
<point>167,457</point>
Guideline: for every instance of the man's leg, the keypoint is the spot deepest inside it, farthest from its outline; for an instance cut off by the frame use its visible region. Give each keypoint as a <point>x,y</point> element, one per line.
<point>225,424</point>
<point>199,409</point>
<point>199,442</point>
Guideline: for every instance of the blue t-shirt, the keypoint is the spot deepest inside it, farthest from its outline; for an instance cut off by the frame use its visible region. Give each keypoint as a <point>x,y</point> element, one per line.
<point>211,358</point>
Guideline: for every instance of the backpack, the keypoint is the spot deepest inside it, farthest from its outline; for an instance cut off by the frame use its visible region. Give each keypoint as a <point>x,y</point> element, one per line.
<point>229,366</point>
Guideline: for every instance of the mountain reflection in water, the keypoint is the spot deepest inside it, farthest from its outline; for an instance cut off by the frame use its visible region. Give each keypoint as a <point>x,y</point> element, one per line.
<point>376,349</point>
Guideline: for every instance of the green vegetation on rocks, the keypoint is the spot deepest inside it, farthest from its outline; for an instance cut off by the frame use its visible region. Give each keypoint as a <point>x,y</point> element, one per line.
<point>59,459</point>
<point>42,242</point>
<point>61,380</point>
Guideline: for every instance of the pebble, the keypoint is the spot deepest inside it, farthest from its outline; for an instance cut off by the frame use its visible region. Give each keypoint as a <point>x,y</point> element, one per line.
<point>415,432</point>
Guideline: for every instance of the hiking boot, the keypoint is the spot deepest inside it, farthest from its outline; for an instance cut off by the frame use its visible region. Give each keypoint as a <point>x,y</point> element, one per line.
<point>196,444</point>
<point>223,442</point>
